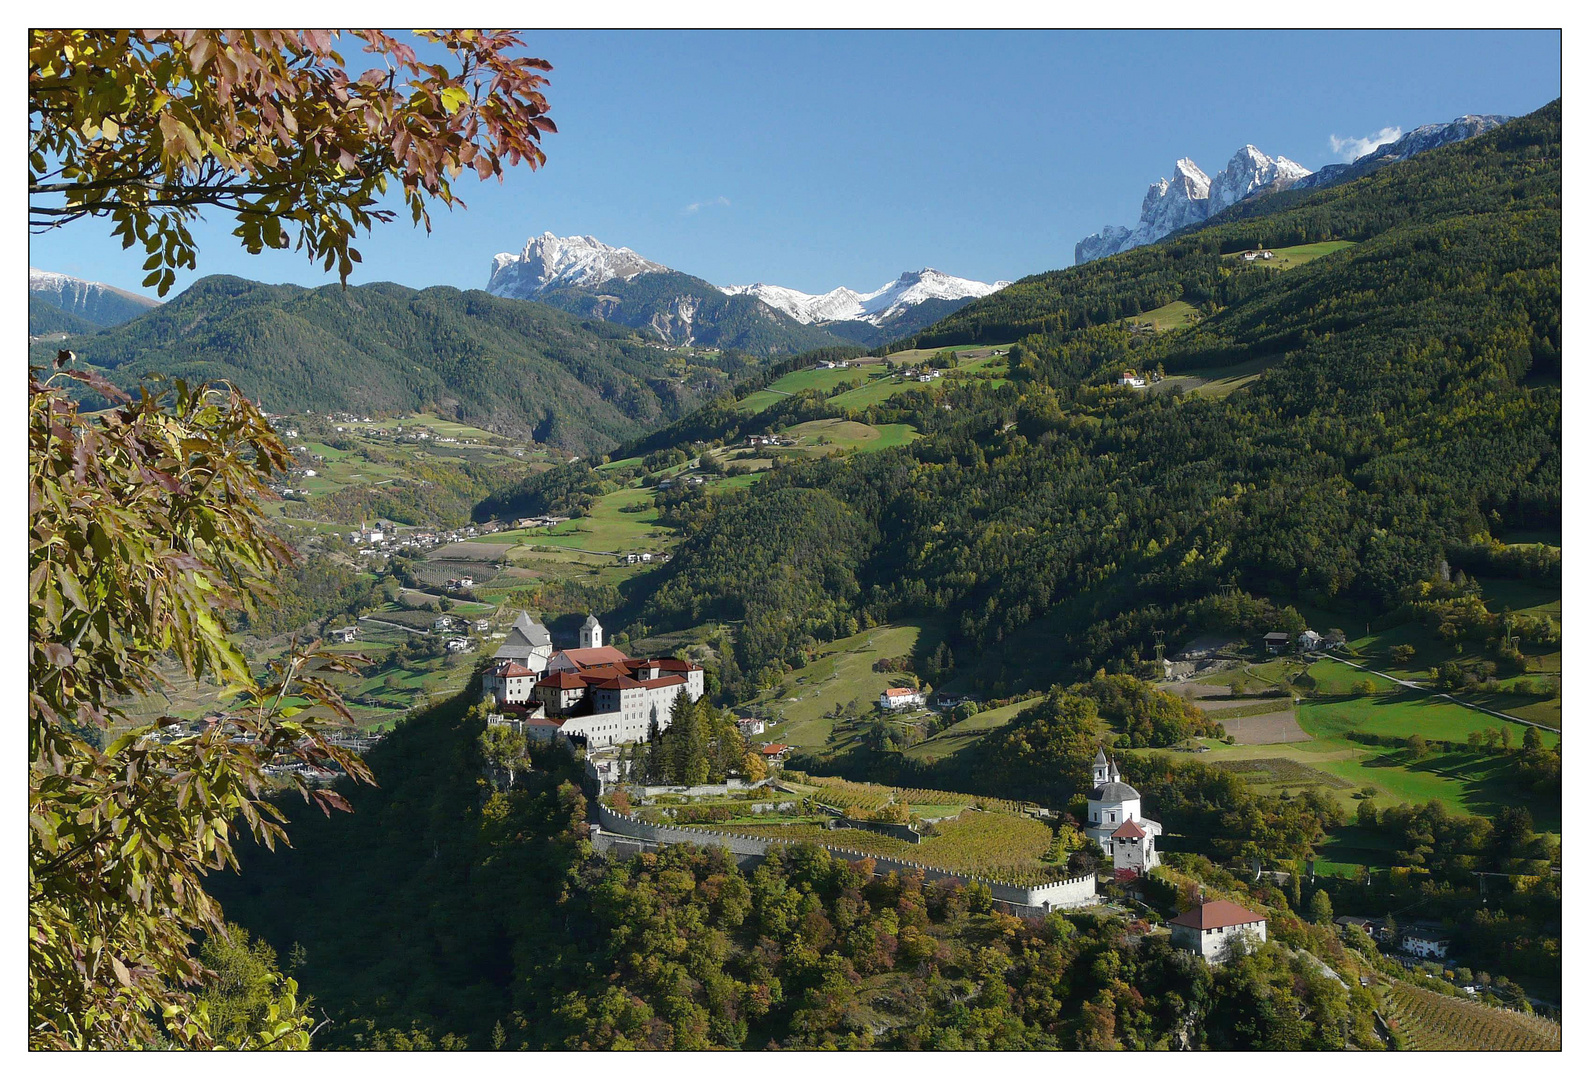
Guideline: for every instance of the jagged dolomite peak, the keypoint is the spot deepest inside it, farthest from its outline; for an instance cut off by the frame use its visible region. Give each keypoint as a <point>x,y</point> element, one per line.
<point>550,262</point>
<point>1249,170</point>
<point>1190,197</point>
<point>906,291</point>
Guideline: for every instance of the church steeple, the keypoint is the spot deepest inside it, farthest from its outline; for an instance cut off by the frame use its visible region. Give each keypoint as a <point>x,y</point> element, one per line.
<point>591,633</point>
<point>1101,769</point>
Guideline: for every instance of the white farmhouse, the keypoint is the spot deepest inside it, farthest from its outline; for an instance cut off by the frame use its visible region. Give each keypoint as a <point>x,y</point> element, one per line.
<point>1208,929</point>
<point>900,697</point>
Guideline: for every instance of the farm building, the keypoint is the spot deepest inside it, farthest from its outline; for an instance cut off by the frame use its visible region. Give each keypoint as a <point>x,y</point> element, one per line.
<point>345,634</point>
<point>1276,642</point>
<point>900,697</point>
<point>1208,929</point>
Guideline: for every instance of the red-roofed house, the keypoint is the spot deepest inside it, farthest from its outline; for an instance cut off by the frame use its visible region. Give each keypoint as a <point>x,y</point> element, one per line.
<point>899,697</point>
<point>1209,928</point>
<point>774,753</point>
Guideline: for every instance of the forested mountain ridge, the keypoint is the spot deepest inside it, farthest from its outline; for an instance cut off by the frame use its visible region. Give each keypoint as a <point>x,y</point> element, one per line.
<point>1405,400</point>
<point>511,366</point>
<point>1485,174</point>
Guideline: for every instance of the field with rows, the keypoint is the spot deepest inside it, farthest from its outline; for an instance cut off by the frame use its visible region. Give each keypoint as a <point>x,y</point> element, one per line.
<point>1426,1020</point>
<point>844,794</point>
<point>1000,846</point>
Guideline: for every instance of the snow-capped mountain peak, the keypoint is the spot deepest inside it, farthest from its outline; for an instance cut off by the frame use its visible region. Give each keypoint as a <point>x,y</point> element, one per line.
<point>1249,170</point>
<point>552,262</point>
<point>549,262</point>
<point>1189,197</point>
<point>908,290</point>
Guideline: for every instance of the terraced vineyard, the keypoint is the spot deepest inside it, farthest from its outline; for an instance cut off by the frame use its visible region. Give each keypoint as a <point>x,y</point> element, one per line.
<point>1426,1020</point>
<point>1001,846</point>
<point>864,798</point>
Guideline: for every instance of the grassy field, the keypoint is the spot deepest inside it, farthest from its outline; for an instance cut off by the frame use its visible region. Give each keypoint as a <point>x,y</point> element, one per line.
<point>827,436</point>
<point>1214,382</point>
<point>841,675</point>
<point>821,379</point>
<point>960,735</point>
<point>1289,257</point>
<point>1171,316</point>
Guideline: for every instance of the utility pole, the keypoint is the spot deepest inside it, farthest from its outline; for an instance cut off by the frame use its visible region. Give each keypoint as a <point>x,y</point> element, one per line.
<point>1159,649</point>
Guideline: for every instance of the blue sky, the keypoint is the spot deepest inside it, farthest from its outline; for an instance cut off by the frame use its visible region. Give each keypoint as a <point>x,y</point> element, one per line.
<point>815,160</point>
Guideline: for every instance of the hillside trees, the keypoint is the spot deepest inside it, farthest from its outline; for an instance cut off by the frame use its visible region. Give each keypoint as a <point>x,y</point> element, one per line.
<point>145,528</point>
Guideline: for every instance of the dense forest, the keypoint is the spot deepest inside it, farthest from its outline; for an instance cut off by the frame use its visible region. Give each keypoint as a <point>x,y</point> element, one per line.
<point>510,366</point>
<point>1406,408</point>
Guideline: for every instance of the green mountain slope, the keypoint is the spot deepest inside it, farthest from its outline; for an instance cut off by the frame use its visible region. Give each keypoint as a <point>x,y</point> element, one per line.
<point>1393,400</point>
<point>507,365</point>
<point>1485,175</point>
<point>46,318</point>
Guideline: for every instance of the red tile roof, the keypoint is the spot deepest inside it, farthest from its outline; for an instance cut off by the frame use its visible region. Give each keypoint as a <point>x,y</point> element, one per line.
<point>774,748</point>
<point>1129,829</point>
<point>511,670</point>
<point>671,663</point>
<point>666,680</point>
<point>585,658</point>
<point>563,680</point>
<point>900,691</point>
<point>619,682</point>
<point>1216,914</point>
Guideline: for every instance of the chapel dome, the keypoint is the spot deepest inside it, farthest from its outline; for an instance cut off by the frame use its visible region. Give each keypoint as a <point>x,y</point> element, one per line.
<point>1114,791</point>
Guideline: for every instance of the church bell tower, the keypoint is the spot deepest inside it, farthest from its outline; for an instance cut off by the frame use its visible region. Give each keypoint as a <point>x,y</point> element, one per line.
<point>591,633</point>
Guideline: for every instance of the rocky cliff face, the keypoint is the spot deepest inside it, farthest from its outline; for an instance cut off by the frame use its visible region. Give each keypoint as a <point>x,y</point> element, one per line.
<point>1189,197</point>
<point>552,262</point>
<point>1414,142</point>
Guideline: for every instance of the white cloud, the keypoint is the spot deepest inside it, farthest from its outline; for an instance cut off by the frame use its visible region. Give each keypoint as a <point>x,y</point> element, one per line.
<point>1353,148</point>
<point>696,207</point>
